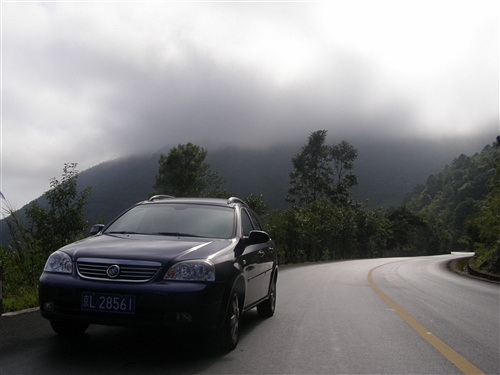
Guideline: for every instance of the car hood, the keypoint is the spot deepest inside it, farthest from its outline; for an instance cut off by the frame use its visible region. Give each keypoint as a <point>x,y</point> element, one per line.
<point>149,248</point>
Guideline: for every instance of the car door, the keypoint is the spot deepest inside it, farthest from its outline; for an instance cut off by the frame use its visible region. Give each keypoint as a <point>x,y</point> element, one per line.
<point>267,258</point>
<point>254,263</point>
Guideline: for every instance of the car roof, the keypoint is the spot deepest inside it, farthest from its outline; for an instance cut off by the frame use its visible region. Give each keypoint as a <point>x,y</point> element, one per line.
<point>232,201</point>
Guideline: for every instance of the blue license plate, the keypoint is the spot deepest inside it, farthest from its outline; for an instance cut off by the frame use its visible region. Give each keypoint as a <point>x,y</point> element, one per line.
<point>113,303</point>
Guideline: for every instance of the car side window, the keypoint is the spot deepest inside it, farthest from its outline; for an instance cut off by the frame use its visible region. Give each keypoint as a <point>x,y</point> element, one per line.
<point>246,223</point>
<point>256,221</point>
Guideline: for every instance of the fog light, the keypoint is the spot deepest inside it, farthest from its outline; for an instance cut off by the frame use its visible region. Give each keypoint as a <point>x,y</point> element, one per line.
<point>48,306</point>
<point>183,317</point>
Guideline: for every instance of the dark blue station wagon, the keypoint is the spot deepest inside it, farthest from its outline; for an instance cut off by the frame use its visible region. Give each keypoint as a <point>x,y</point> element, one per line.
<point>166,262</point>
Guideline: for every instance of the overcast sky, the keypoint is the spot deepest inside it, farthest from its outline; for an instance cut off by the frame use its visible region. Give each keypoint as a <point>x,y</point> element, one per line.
<point>87,82</point>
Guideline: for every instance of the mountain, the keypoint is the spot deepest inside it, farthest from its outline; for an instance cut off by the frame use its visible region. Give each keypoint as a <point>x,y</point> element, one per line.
<point>386,171</point>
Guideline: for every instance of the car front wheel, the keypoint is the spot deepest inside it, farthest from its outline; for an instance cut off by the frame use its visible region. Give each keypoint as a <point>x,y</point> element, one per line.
<point>230,332</point>
<point>68,328</point>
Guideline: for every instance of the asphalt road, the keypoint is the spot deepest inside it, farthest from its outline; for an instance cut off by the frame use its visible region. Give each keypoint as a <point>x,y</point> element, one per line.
<point>376,316</point>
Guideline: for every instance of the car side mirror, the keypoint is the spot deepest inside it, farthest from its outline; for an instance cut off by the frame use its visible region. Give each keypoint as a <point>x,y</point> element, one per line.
<point>96,228</point>
<point>258,236</point>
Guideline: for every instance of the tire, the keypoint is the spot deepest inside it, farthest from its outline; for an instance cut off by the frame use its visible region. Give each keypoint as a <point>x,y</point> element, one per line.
<point>230,331</point>
<point>266,308</point>
<point>68,328</point>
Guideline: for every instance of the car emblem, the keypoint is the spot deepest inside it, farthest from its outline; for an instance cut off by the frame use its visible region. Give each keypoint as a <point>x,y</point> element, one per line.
<point>113,271</point>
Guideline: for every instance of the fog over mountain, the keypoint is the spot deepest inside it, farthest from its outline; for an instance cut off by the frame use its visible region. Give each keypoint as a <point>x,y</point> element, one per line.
<point>91,81</point>
<point>386,171</point>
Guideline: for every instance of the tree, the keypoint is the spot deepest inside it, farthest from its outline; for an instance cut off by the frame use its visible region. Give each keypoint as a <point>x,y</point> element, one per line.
<point>185,173</point>
<point>47,225</point>
<point>371,232</point>
<point>457,194</point>
<point>284,228</point>
<point>412,234</point>
<point>321,171</point>
<point>256,203</point>
<point>486,225</point>
<point>343,156</point>
<point>63,221</point>
<point>312,174</point>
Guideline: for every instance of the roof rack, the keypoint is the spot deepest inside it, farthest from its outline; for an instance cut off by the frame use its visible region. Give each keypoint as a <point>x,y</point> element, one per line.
<point>236,200</point>
<point>160,197</point>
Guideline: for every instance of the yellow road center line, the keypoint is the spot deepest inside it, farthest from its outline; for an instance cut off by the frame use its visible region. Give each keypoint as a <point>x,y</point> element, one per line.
<point>465,366</point>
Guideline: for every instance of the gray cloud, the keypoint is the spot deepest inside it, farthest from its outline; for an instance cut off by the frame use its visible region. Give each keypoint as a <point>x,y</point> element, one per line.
<point>90,82</point>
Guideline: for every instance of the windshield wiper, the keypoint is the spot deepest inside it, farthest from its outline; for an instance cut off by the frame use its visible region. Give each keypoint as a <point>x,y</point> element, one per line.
<point>124,232</point>
<point>177,234</point>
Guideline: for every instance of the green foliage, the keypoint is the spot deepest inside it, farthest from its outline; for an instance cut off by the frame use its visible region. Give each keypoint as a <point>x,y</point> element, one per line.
<point>21,298</point>
<point>283,226</point>
<point>185,173</point>
<point>21,270</point>
<point>48,229</point>
<point>327,224</point>
<point>322,171</point>
<point>324,231</point>
<point>372,233</point>
<point>413,234</point>
<point>484,227</point>
<point>312,173</point>
<point>256,203</point>
<point>22,261</point>
<point>456,194</point>
<point>343,156</point>
<point>63,221</point>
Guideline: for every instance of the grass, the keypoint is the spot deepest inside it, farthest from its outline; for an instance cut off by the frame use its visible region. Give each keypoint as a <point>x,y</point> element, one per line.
<point>462,264</point>
<point>486,261</point>
<point>25,298</point>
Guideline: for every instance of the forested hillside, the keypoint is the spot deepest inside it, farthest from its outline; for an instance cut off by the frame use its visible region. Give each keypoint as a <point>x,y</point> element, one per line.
<point>456,193</point>
<point>386,172</point>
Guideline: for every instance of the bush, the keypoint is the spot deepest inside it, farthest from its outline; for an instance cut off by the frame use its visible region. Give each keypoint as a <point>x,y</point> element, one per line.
<point>48,229</point>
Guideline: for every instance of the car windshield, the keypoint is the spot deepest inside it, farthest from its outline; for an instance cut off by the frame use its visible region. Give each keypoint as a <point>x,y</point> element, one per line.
<point>174,219</point>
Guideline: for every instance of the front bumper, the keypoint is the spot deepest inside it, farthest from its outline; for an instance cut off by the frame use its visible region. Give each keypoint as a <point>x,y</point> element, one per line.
<point>157,304</point>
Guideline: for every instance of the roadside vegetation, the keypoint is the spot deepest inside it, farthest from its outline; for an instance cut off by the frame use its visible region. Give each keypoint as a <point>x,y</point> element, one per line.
<point>42,230</point>
<point>465,199</point>
<point>455,210</point>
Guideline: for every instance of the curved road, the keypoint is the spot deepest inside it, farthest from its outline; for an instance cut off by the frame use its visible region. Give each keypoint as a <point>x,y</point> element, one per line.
<point>373,316</point>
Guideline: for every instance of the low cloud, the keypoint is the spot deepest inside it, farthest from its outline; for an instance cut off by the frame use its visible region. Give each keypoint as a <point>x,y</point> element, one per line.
<point>89,82</point>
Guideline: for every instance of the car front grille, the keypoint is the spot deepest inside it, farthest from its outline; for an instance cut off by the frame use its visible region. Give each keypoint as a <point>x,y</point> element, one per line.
<point>117,270</point>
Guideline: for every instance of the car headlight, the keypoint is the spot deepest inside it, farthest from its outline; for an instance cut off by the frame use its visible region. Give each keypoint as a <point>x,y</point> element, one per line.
<point>191,270</point>
<point>59,262</point>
